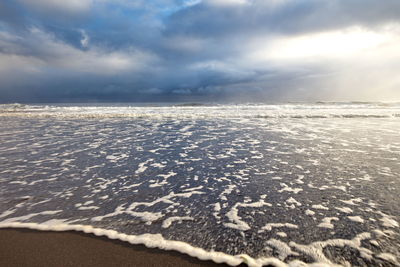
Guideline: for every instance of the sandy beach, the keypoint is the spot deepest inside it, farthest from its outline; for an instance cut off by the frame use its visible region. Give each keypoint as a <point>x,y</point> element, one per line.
<point>23,247</point>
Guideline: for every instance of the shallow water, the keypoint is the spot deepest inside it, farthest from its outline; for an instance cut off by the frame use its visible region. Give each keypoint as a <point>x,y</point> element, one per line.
<point>313,183</point>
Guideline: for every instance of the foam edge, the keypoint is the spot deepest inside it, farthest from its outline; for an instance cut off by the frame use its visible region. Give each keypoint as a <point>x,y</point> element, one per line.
<point>157,241</point>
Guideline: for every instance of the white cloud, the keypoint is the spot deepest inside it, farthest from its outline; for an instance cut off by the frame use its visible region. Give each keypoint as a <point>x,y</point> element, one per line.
<point>350,64</point>
<point>188,3</point>
<point>226,2</point>
<point>333,44</point>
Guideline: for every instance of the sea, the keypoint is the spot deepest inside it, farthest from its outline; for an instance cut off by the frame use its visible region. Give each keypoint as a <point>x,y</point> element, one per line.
<point>288,184</point>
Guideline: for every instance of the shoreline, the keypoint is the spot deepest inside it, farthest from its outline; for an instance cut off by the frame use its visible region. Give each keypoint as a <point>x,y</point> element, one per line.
<point>27,247</point>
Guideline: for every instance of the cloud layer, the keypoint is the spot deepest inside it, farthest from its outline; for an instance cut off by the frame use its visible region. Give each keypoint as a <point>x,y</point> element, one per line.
<point>175,50</point>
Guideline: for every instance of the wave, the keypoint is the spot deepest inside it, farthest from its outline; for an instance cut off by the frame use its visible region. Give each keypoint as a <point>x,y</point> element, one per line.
<point>157,241</point>
<point>196,110</point>
<point>197,116</point>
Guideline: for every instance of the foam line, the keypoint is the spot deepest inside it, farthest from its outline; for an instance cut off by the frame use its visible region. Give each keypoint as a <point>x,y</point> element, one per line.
<point>157,241</point>
<point>293,111</point>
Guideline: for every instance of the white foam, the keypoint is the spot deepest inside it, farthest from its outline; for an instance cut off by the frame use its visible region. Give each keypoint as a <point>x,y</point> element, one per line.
<point>142,166</point>
<point>116,157</point>
<point>315,250</point>
<point>281,234</point>
<point>389,222</point>
<point>221,111</point>
<point>236,220</point>
<point>227,191</point>
<point>7,212</point>
<point>327,222</point>
<point>366,178</point>
<point>344,209</point>
<point>18,182</point>
<point>88,208</point>
<point>293,201</point>
<point>378,232</point>
<point>29,216</point>
<point>149,240</point>
<point>130,186</point>
<point>353,201</point>
<point>54,222</point>
<point>282,248</point>
<point>289,189</point>
<point>339,187</point>
<point>157,241</point>
<point>217,209</point>
<point>309,212</point>
<point>356,219</point>
<point>321,207</point>
<point>168,175</point>
<point>374,242</point>
<point>167,222</point>
<point>388,257</point>
<point>269,226</point>
<point>299,180</point>
<point>193,188</point>
<point>148,216</point>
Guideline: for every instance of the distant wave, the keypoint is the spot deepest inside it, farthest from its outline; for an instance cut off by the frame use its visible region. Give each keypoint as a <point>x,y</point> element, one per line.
<point>198,110</point>
<point>358,103</point>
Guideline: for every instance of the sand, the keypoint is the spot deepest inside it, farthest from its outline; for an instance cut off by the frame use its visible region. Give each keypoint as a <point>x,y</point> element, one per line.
<point>22,247</point>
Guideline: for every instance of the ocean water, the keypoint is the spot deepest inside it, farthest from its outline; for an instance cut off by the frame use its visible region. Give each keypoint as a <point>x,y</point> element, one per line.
<point>288,184</point>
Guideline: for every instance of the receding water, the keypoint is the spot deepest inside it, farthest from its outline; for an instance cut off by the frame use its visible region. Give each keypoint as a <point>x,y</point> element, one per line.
<point>279,183</point>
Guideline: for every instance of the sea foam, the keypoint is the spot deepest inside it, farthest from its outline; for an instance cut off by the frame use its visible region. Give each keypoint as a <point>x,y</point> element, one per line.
<point>283,185</point>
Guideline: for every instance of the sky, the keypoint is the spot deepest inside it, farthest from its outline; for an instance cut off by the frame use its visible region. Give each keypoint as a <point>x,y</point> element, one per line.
<point>199,50</point>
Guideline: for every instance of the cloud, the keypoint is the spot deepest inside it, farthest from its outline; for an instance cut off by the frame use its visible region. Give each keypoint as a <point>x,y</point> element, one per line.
<point>70,6</point>
<point>185,44</point>
<point>209,49</point>
<point>283,17</point>
<point>85,39</point>
<point>321,46</point>
<point>226,2</point>
<point>42,47</point>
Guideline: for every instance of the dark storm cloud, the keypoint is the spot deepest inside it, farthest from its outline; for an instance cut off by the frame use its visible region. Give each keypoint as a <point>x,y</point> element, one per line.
<point>164,50</point>
<point>287,18</point>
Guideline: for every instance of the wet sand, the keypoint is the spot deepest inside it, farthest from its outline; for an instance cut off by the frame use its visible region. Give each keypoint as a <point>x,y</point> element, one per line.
<point>23,247</point>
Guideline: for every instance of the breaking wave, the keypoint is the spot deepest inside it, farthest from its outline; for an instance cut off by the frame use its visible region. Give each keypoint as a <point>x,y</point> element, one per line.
<point>198,110</point>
